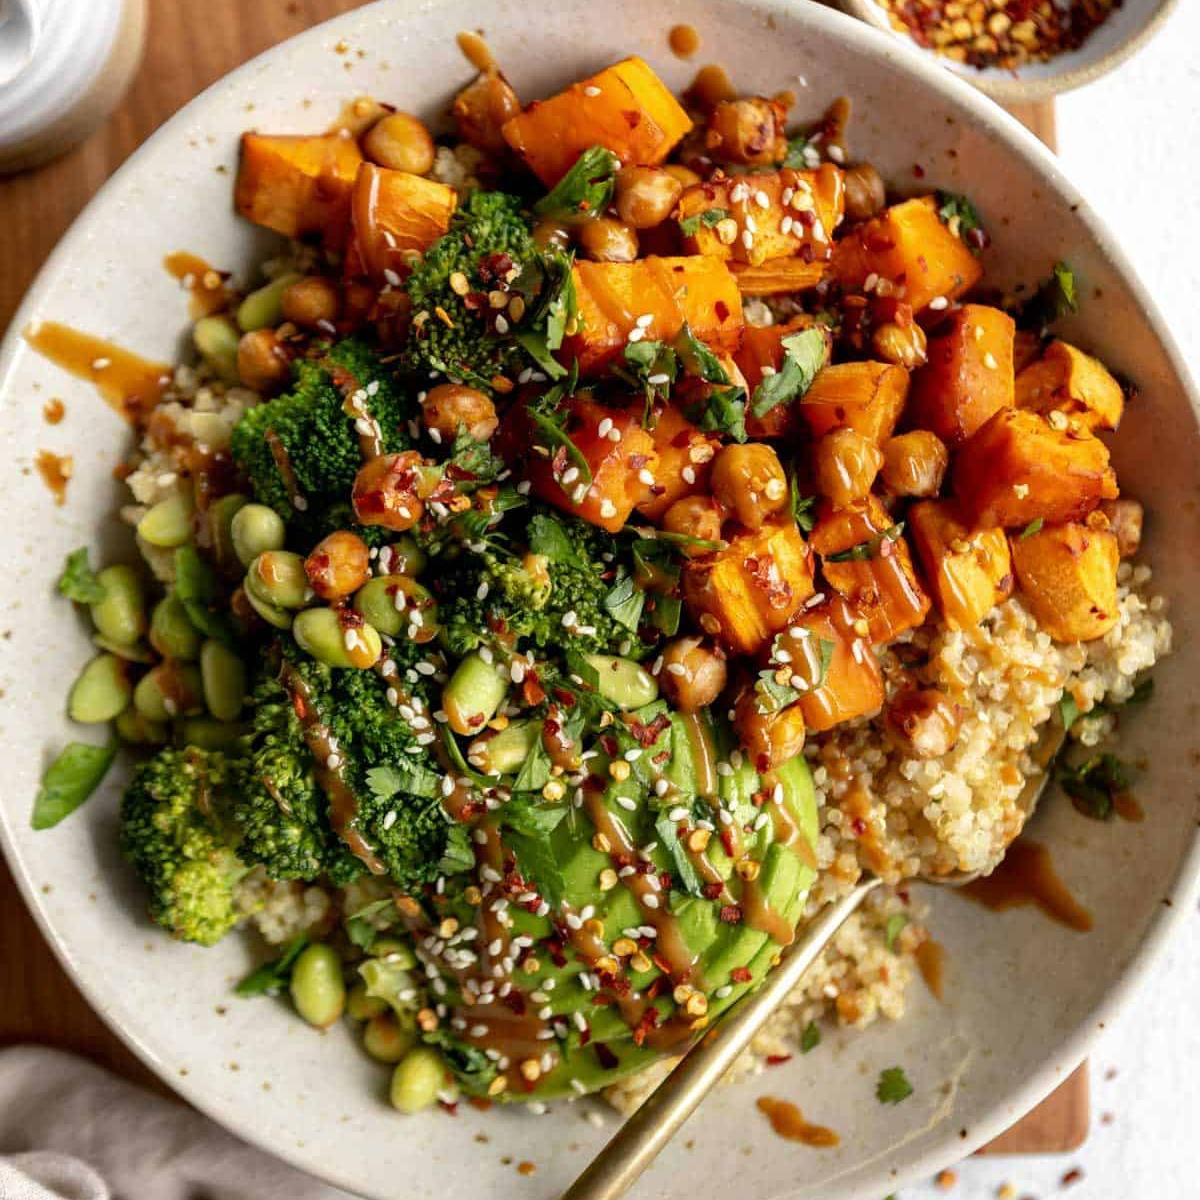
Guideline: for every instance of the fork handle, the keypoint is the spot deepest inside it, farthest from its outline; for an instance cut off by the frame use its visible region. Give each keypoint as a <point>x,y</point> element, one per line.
<point>640,1140</point>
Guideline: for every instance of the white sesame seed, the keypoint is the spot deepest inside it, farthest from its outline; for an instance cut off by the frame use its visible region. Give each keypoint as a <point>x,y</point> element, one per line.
<point>747,239</point>
<point>762,199</point>
<point>591,90</point>
<point>627,803</point>
<point>636,334</point>
<point>645,321</point>
<point>650,900</point>
<point>938,303</point>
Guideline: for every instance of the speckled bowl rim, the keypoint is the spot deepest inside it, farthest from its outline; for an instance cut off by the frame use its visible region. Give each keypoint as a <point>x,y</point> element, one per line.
<point>867,43</point>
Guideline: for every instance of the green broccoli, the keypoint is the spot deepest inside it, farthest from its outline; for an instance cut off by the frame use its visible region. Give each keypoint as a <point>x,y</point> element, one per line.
<point>177,832</point>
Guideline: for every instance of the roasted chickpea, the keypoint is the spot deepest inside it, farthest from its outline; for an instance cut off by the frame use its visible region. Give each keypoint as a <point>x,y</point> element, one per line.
<point>845,464</point>
<point>924,720</point>
<point>646,195</point>
<point>482,108</point>
<point>697,516</point>
<point>262,362</point>
<point>865,193</point>
<point>453,406</point>
<point>914,463</point>
<point>386,491</point>
<point>685,175</point>
<point>749,482</point>
<point>693,673</point>
<point>747,131</point>
<point>551,235</point>
<point>338,566</point>
<point>903,345</point>
<point>400,142</point>
<point>605,240</point>
<point>769,738</point>
<point>392,315</point>
<point>357,301</point>
<point>311,302</point>
<point>1125,520</point>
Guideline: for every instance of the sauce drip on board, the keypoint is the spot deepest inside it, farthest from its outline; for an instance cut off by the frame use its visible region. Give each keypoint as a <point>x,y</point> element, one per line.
<point>710,87</point>
<point>788,1121</point>
<point>204,284</point>
<point>1026,875</point>
<point>53,411</point>
<point>55,470</point>
<point>683,40</point>
<point>931,962</point>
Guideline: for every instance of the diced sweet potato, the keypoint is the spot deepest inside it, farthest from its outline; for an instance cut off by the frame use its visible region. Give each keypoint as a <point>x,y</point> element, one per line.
<point>883,586</point>
<point>1017,468</point>
<point>762,352</point>
<point>616,463</point>
<point>626,107</point>
<point>1068,381</point>
<point>298,185</point>
<point>852,686</point>
<point>611,296</point>
<point>395,215</point>
<point>685,456</point>
<point>969,571</point>
<point>968,376</point>
<point>1068,578</point>
<point>776,214</point>
<point>909,246</point>
<point>750,590</point>
<point>867,397</point>
<point>778,276</point>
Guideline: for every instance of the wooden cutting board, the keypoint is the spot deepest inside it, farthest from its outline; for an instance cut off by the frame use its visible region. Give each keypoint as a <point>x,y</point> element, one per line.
<point>188,47</point>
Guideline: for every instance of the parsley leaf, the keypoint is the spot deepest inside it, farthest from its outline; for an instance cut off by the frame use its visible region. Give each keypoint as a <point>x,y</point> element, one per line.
<point>804,356</point>
<point>723,411</point>
<point>69,780</point>
<point>77,581</point>
<point>868,549</point>
<point>1094,784</point>
<point>690,226</point>
<point>525,816</point>
<point>411,778</point>
<point>535,770</point>
<point>960,216</point>
<point>196,587</point>
<point>587,188</point>
<point>625,600</point>
<point>697,358</point>
<point>547,536</point>
<point>537,863</point>
<point>892,930</point>
<point>810,1039</point>
<point>686,875</point>
<point>272,977</point>
<point>458,856</point>
<point>1034,526</point>
<point>1055,298</point>
<point>893,1086</point>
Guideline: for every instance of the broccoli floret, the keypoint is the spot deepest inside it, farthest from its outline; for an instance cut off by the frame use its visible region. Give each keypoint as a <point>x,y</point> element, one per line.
<point>308,432</point>
<point>175,829</point>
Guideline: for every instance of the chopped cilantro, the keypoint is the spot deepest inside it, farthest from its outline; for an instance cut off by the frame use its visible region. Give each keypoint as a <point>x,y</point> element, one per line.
<point>410,778</point>
<point>1055,298</point>
<point>893,1086</point>
<point>801,153</point>
<point>548,537</point>
<point>961,217</point>
<point>810,1039</point>
<point>458,856</point>
<point>697,359</point>
<point>1034,526</point>
<point>690,226</point>
<point>1068,710</point>
<point>804,356</point>
<point>625,600</point>
<point>587,188</point>
<point>272,977</point>
<point>802,506</point>
<point>1094,784</point>
<point>686,875</point>
<point>870,548</point>
<point>892,930</point>
<point>77,581</point>
<point>723,411</point>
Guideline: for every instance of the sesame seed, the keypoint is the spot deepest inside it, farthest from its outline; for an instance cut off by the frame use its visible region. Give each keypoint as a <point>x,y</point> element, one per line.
<point>604,426</point>
<point>938,303</point>
<point>591,90</point>
<point>636,335</point>
<point>626,803</point>
<point>747,239</point>
<point>650,900</point>
<point>762,199</point>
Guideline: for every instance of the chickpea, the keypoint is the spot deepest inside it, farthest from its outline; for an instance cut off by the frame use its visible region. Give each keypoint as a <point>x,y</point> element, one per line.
<point>693,673</point>
<point>311,302</point>
<point>749,481</point>
<point>606,240</point>
<point>924,720</point>
<point>769,738</point>
<point>262,363</point>
<point>865,193</point>
<point>481,109</point>
<point>385,491</point>
<point>685,175</point>
<point>452,406</point>
<point>914,463</point>
<point>747,131</point>
<point>357,301</point>
<point>1125,520</point>
<point>845,464</point>
<point>400,142</point>
<point>646,196</point>
<point>697,516</point>
<point>903,345</point>
<point>338,566</point>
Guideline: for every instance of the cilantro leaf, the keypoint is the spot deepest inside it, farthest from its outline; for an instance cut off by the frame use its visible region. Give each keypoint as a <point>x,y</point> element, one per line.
<point>525,816</point>
<point>686,876</point>
<point>1034,526</point>
<point>723,411</point>
<point>475,459</point>
<point>810,1039</point>
<point>563,309</point>
<point>1068,710</point>
<point>196,587</point>
<point>961,217</point>
<point>586,189</point>
<point>272,977</point>
<point>552,426</point>
<point>1095,784</point>
<point>535,770</point>
<point>458,856</point>
<point>666,614</point>
<point>868,549</point>
<point>1056,297</point>
<point>548,536</point>
<point>69,780</point>
<point>697,358</point>
<point>803,507</point>
<point>773,695</point>
<point>77,581</point>
<point>801,153</point>
<point>804,356</point>
<point>893,1086</point>
<point>690,226</point>
<point>537,863</point>
<point>625,600</point>
<point>892,930</point>
<point>360,929</point>
<point>411,778</point>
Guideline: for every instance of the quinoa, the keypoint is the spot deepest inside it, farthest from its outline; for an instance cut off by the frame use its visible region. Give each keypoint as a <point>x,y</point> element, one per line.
<point>281,911</point>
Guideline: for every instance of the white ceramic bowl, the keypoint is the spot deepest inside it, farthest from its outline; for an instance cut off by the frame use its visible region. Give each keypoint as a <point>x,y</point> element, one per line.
<point>1024,997</point>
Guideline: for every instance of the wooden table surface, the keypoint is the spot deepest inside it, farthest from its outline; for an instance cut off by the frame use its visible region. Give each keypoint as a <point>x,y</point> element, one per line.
<point>189,45</point>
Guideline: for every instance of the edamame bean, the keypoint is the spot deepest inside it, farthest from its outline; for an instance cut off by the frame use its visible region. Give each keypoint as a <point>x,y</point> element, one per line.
<point>321,633</point>
<point>386,1039</point>
<point>398,954</point>
<point>475,691</point>
<point>389,602</point>
<point>623,681</point>
<point>254,529</point>
<point>172,689</point>
<point>317,988</point>
<point>273,615</point>
<point>101,692</point>
<point>208,734</point>
<point>216,338</point>
<point>134,728</point>
<point>134,652</point>
<point>277,577</point>
<point>223,675</point>
<point>169,522</point>
<point>504,752</point>
<point>120,616</point>
<point>417,1079</point>
<point>403,557</point>
<point>172,633</point>
<point>263,306</point>
<point>220,525</point>
<point>362,1007</point>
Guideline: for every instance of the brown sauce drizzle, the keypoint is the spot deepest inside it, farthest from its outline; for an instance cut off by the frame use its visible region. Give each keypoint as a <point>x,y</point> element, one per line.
<point>53,411</point>
<point>788,1121</point>
<point>683,40</point>
<point>710,87</point>
<point>132,385</point>
<point>55,470</point>
<point>1026,875</point>
<point>704,766</point>
<point>475,50</point>
<point>205,285</point>
<point>758,914</point>
<point>931,962</point>
<point>283,464</point>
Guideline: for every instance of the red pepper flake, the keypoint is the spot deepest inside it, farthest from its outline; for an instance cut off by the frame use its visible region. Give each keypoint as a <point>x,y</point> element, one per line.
<point>740,975</point>
<point>859,826</point>
<point>451,1106</point>
<point>918,171</point>
<point>1074,1175</point>
<point>731,914</point>
<point>607,1058</point>
<point>713,890</point>
<point>775,1060</point>
<point>647,1022</point>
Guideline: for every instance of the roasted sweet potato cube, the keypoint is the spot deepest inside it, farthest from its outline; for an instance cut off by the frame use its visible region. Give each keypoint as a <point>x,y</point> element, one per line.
<point>612,296</point>
<point>969,571</point>
<point>829,651</point>
<point>751,589</point>
<point>395,216</point>
<point>1018,468</point>
<point>775,214</point>
<point>909,246</point>
<point>778,276</point>
<point>685,456</point>
<point>626,107</point>
<point>1067,381</point>
<point>298,185</point>
<point>867,397</point>
<point>760,354</point>
<point>873,571</point>
<point>968,376</point>
<point>1068,578</point>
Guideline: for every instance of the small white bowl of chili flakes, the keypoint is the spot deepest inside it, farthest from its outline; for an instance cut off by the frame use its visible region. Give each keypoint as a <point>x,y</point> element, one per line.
<point>1021,50</point>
